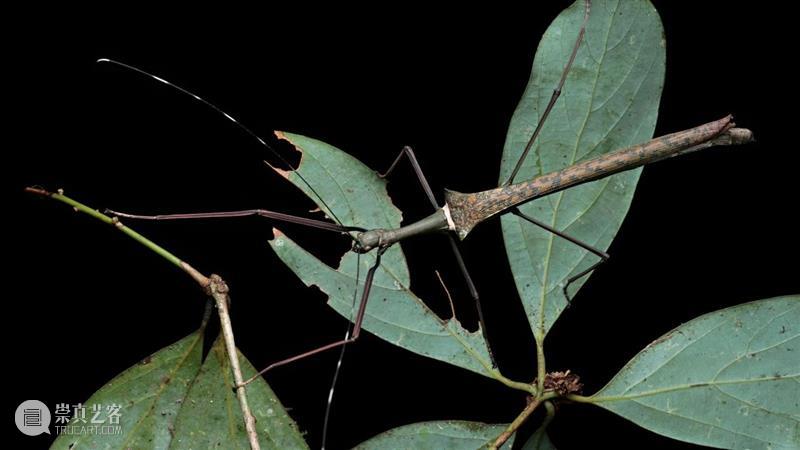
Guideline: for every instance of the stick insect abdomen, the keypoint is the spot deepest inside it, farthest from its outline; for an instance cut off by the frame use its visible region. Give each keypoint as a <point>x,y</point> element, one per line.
<point>463,212</point>
<point>468,210</point>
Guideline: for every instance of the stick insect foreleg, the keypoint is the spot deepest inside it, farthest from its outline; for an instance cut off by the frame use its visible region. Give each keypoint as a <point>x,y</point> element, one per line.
<point>473,292</point>
<point>359,319</point>
<point>243,213</point>
<point>409,153</point>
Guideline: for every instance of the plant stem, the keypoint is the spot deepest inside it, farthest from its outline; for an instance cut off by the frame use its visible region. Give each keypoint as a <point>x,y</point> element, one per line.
<point>80,207</point>
<point>551,413</point>
<point>537,392</point>
<point>536,438</point>
<point>219,290</point>
<point>214,286</point>
<point>207,314</point>
<point>541,368</point>
<point>580,398</point>
<point>521,418</point>
<point>529,388</point>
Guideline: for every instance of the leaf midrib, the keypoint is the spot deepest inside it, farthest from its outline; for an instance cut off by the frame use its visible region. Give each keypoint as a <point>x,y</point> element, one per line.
<point>680,387</point>
<point>161,388</point>
<point>541,332</point>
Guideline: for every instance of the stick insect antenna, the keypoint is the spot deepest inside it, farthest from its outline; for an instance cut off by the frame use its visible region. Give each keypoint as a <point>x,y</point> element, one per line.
<point>232,119</point>
<point>350,333</point>
<point>347,334</point>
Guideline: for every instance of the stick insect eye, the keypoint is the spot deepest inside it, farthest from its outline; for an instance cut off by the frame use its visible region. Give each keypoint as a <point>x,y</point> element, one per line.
<point>367,241</point>
<point>358,247</point>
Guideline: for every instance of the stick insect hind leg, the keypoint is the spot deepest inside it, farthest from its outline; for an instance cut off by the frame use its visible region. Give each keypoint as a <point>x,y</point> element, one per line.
<point>603,255</point>
<point>473,291</point>
<point>359,319</point>
<point>545,114</point>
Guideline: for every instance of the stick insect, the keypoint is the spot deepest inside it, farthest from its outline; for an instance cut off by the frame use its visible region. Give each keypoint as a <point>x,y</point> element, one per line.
<point>462,212</point>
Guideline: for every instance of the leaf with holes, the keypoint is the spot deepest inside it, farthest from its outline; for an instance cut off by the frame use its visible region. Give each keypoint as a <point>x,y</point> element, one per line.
<point>610,100</point>
<point>450,434</point>
<point>726,379</point>
<point>394,313</point>
<point>355,195</point>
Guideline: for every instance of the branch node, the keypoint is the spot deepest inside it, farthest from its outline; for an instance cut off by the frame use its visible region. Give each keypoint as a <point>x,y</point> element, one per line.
<point>563,383</point>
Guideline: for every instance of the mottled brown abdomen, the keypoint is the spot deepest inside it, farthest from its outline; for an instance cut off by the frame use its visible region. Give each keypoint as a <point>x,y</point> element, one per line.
<point>468,210</point>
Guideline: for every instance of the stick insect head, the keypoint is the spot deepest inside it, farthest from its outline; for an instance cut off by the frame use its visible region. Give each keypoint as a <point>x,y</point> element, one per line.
<point>368,240</point>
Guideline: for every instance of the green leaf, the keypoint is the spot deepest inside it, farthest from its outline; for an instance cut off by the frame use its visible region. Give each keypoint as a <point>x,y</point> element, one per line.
<point>150,395</point>
<point>168,401</point>
<point>449,434</point>
<point>211,416</point>
<point>539,441</point>
<point>610,100</point>
<point>726,379</point>
<point>357,196</point>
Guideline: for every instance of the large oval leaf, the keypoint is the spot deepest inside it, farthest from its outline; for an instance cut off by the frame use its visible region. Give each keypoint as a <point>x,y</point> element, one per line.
<point>149,394</point>
<point>357,196</point>
<point>727,379</point>
<point>169,401</point>
<point>211,416</point>
<point>449,434</point>
<point>610,100</point>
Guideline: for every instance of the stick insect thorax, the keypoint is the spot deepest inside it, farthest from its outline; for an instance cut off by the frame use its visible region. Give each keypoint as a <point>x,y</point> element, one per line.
<point>462,212</point>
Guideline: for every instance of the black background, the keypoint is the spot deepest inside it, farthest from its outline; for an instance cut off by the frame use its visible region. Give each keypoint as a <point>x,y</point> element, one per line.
<point>83,302</point>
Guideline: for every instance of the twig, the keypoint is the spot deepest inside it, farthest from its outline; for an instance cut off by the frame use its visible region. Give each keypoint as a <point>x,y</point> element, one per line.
<point>512,428</point>
<point>219,290</point>
<point>207,313</point>
<point>447,292</point>
<point>214,286</point>
<point>551,414</point>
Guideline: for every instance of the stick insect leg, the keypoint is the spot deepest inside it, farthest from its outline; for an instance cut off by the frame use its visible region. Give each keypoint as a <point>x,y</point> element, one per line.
<point>243,213</point>
<point>473,292</point>
<point>362,307</point>
<point>556,93</point>
<point>409,153</point>
<point>603,255</point>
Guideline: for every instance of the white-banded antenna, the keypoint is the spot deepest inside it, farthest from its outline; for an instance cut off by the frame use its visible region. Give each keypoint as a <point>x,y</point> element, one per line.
<point>300,176</point>
<point>232,119</point>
